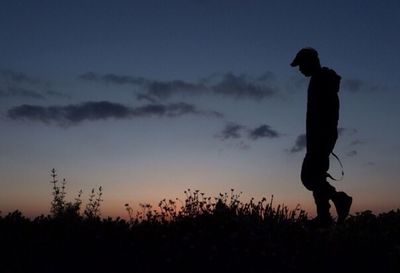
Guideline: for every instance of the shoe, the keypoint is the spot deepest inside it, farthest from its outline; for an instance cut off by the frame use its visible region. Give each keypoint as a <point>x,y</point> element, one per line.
<point>342,203</point>
<point>320,222</point>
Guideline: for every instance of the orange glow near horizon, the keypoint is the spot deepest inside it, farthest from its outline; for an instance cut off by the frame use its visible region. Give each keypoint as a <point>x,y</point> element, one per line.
<point>113,207</point>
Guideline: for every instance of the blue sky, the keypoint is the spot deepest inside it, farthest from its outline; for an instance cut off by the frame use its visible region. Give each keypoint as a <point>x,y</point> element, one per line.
<point>149,98</point>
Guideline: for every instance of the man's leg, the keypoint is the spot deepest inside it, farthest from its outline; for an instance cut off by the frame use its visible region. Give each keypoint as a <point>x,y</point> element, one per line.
<point>322,194</point>
<point>313,176</point>
<point>342,203</point>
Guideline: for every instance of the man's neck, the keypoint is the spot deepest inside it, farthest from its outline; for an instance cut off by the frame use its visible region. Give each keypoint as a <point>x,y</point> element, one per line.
<point>316,70</point>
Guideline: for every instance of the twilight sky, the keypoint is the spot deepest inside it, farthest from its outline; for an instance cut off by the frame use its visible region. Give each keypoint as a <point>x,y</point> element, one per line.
<point>149,98</point>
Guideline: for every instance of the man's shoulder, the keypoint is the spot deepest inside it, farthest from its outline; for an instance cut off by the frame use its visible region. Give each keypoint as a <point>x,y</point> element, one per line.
<point>329,73</point>
<point>326,79</point>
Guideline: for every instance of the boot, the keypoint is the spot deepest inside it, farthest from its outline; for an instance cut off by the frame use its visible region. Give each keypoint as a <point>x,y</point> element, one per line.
<point>320,222</point>
<point>342,202</point>
<point>324,218</point>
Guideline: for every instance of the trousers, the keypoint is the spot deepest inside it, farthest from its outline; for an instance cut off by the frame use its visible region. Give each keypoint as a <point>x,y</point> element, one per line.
<point>313,176</point>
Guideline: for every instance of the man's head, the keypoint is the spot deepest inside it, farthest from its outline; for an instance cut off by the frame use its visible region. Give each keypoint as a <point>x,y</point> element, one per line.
<point>307,60</point>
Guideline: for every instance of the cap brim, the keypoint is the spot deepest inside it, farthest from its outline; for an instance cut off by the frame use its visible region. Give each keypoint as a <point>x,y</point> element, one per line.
<point>294,63</point>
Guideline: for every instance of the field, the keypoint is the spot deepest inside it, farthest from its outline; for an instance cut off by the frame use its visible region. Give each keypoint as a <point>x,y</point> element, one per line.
<point>199,234</point>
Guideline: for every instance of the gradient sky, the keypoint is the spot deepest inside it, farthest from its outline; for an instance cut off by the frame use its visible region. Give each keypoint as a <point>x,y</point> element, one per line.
<point>149,98</point>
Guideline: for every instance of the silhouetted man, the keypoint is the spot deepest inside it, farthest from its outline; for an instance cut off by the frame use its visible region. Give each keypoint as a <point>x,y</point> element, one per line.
<point>321,135</point>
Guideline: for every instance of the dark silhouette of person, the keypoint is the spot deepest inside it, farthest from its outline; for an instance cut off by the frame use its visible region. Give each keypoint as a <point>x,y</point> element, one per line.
<point>321,135</point>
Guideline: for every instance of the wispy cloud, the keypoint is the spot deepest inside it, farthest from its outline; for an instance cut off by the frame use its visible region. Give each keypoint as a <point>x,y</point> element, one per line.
<point>352,153</point>
<point>232,130</point>
<point>228,85</point>
<point>352,85</point>
<point>146,98</point>
<point>243,86</point>
<point>357,85</point>
<point>91,111</point>
<point>18,84</point>
<point>113,78</point>
<point>357,142</point>
<point>347,131</point>
<point>166,89</point>
<point>235,131</point>
<point>263,131</point>
<point>171,110</point>
<point>11,76</point>
<point>300,144</point>
<point>16,91</point>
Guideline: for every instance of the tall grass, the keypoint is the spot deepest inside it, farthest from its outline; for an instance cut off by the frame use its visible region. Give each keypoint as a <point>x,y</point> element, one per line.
<point>197,234</point>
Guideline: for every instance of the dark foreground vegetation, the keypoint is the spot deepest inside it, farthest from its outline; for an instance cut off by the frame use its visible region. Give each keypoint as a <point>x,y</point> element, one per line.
<point>199,234</point>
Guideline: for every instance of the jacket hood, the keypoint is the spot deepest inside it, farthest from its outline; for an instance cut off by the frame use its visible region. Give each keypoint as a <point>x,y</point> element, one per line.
<point>331,78</point>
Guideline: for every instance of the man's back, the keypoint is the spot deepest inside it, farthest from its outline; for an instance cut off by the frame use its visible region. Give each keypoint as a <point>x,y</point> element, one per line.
<point>322,109</point>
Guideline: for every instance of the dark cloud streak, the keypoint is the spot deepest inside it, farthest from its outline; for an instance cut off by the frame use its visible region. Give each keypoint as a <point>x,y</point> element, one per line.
<point>352,153</point>
<point>20,85</point>
<point>228,85</point>
<point>91,111</point>
<point>263,131</point>
<point>231,130</point>
<point>234,131</point>
<point>166,89</point>
<point>242,87</point>
<point>357,142</point>
<point>113,79</point>
<point>15,91</point>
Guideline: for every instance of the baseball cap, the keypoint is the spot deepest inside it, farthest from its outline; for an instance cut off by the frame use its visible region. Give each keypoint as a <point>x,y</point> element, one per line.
<point>306,53</point>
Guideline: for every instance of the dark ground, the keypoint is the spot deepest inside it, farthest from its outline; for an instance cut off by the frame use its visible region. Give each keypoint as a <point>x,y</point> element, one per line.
<point>221,241</point>
<point>202,234</point>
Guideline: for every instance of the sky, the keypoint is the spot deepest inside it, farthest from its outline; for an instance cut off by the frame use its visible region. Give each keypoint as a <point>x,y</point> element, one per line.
<point>150,98</point>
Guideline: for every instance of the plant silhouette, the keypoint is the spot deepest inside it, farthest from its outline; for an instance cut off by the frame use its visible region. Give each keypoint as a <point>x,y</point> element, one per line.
<point>197,234</point>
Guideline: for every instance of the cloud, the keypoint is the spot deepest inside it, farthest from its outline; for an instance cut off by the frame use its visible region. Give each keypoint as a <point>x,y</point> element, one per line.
<point>356,85</point>
<point>300,144</point>
<point>154,89</point>
<point>352,153</point>
<point>296,83</point>
<point>352,85</point>
<point>266,77</point>
<point>15,91</point>
<point>17,77</point>
<point>263,131</point>
<point>18,84</point>
<point>347,131</point>
<point>91,111</point>
<point>243,87</point>
<point>357,142</point>
<point>171,110</point>
<point>51,93</point>
<point>232,130</point>
<point>112,78</point>
<point>70,114</point>
<point>165,89</point>
<point>228,85</point>
<point>146,97</point>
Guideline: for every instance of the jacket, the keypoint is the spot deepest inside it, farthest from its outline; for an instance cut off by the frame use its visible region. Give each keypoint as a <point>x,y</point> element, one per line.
<point>322,111</point>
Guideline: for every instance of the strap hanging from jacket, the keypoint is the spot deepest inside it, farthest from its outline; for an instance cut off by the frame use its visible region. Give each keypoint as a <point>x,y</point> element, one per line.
<point>341,165</point>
